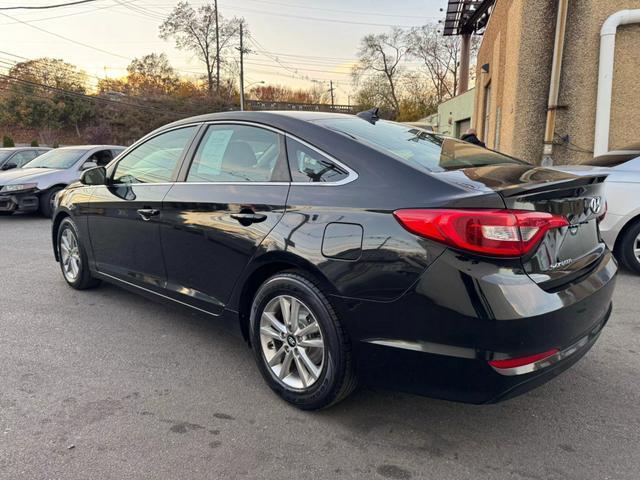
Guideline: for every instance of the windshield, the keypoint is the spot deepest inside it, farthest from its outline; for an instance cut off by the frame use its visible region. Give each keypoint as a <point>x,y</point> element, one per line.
<point>416,146</point>
<point>60,159</point>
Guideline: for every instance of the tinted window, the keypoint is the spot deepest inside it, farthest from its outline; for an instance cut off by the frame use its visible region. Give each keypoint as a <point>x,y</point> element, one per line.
<point>101,158</point>
<point>23,157</point>
<point>415,146</point>
<point>307,165</point>
<point>60,159</point>
<point>155,160</point>
<point>236,153</point>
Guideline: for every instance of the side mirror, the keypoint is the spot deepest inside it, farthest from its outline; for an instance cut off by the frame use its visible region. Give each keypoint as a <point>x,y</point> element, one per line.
<point>94,176</point>
<point>9,166</point>
<point>88,165</point>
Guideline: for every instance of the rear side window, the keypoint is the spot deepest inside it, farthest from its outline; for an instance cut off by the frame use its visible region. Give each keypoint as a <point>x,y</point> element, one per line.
<point>155,160</point>
<point>308,165</point>
<point>236,153</point>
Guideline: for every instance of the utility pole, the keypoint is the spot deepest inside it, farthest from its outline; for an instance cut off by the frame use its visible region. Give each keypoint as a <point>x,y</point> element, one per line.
<point>215,5</point>
<point>241,67</point>
<point>331,90</point>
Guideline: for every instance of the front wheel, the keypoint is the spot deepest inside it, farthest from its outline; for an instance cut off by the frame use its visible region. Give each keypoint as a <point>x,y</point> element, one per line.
<point>47,201</point>
<point>73,257</point>
<point>299,344</point>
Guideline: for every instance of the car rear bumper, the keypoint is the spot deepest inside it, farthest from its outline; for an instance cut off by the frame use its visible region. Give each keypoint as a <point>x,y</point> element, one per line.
<point>438,338</point>
<point>19,202</point>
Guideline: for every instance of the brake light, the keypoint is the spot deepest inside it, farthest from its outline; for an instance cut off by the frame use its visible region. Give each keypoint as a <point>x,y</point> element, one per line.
<point>502,233</point>
<point>522,361</point>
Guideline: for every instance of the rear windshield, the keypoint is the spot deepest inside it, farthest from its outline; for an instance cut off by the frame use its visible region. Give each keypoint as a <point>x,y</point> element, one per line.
<point>416,146</point>
<point>60,159</point>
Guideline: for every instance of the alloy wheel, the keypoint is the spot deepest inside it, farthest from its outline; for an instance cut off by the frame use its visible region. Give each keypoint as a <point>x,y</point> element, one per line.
<point>636,248</point>
<point>292,342</point>
<point>70,255</point>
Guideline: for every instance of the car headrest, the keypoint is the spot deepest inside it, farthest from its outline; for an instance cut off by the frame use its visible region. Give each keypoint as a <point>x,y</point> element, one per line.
<point>238,156</point>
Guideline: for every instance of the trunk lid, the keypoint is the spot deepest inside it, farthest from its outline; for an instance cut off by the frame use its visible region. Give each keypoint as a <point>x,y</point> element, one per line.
<point>564,254</point>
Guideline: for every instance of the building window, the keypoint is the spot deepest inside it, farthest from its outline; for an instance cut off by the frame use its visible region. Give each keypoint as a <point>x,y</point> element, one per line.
<point>487,111</point>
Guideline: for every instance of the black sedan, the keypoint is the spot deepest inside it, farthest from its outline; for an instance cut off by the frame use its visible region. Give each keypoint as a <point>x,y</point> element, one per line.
<point>347,249</point>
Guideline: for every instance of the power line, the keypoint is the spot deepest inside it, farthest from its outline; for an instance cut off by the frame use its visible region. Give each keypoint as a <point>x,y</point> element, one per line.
<point>46,7</point>
<point>83,12</point>
<point>306,7</point>
<point>316,19</point>
<point>63,37</point>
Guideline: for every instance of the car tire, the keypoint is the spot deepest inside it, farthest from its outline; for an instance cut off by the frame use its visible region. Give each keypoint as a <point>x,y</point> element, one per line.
<point>5,214</point>
<point>300,384</point>
<point>73,257</point>
<point>628,251</point>
<point>46,201</point>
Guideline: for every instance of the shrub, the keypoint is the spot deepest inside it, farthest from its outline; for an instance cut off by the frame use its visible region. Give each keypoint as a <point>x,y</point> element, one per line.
<point>56,145</point>
<point>7,141</point>
<point>34,143</point>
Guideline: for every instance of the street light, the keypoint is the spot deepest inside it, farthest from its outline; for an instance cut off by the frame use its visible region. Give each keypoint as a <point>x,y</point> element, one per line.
<point>242,87</point>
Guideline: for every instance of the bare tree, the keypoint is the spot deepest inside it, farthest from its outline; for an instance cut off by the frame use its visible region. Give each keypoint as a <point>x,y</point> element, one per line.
<point>440,57</point>
<point>203,31</point>
<point>380,55</point>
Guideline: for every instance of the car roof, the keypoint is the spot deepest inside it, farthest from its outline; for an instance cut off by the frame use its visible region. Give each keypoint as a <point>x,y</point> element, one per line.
<point>89,147</point>
<point>15,149</point>
<point>267,116</point>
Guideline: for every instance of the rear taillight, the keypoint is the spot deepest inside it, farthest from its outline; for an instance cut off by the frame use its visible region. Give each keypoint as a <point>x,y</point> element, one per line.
<point>502,233</point>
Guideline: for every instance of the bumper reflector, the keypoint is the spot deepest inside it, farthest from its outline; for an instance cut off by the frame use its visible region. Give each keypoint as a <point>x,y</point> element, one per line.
<point>521,361</point>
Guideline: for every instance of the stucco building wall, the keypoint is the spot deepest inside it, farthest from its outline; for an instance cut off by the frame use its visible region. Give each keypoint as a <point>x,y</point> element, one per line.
<point>518,46</point>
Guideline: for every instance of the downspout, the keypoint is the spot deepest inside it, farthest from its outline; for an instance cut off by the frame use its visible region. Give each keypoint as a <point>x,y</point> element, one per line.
<point>554,86</point>
<point>605,76</point>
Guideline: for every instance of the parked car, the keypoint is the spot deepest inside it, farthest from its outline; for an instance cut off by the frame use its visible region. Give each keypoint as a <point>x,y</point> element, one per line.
<point>344,249</point>
<point>16,157</point>
<point>620,226</point>
<point>34,186</point>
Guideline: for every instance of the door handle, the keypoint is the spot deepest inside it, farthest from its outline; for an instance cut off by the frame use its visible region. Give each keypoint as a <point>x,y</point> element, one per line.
<point>147,213</point>
<point>248,218</point>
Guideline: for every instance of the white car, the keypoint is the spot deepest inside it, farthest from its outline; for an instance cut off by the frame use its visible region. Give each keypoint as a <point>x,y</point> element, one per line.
<point>620,226</point>
<point>34,186</point>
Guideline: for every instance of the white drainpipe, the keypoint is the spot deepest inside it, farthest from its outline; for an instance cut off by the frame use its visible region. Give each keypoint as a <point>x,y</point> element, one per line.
<point>605,75</point>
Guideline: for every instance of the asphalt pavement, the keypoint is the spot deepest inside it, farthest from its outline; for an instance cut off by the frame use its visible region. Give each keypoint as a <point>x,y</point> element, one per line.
<point>105,384</point>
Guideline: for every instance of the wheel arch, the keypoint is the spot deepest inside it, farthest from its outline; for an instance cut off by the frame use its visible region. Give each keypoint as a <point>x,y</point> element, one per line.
<point>628,225</point>
<point>263,268</point>
<point>54,231</point>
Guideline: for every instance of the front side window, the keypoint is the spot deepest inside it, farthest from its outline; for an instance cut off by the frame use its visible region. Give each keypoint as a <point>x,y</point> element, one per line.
<point>155,160</point>
<point>236,153</point>
<point>100,158</point>
<point>307,165</point>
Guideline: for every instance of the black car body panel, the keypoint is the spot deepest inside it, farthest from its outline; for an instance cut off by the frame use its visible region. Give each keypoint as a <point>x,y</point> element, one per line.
<point>422,316</point>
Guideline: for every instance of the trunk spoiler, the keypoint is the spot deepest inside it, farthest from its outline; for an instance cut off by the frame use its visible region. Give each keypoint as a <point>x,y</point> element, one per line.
<point>553,185</point>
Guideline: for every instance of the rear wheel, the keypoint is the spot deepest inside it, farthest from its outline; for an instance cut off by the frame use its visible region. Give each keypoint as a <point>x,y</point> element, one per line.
<point>73,257</point>
<point>299,344</point>
<point>629,247</point>
<point>46,201</point>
